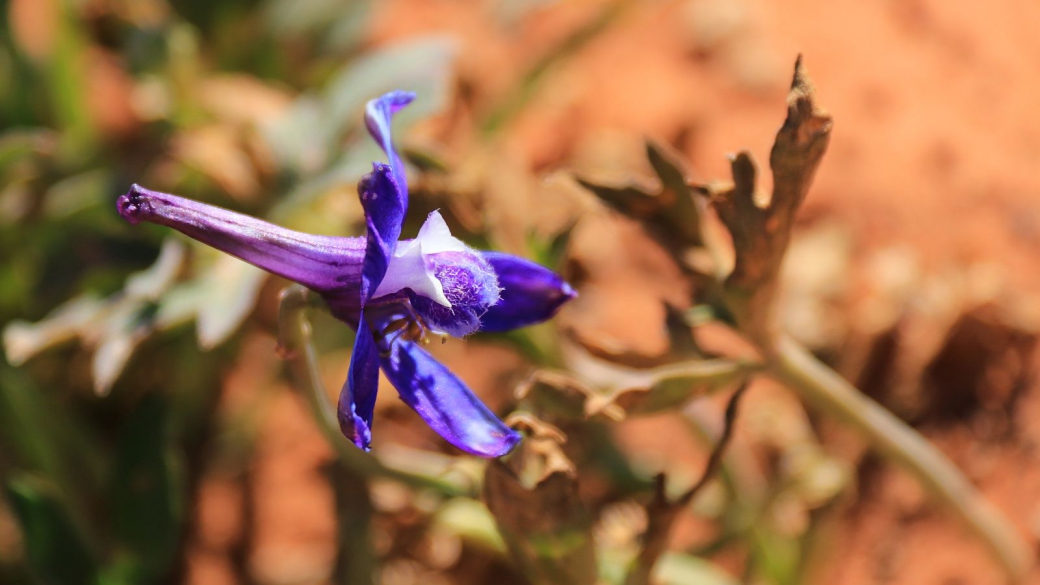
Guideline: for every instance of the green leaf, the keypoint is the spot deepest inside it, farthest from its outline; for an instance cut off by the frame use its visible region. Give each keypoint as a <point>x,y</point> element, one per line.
<point>79,192</point>
<point>680,569</point>
<point>67,80</point>
<point>339,24</point>
<point>19,144</point>
<point>669,387</point>
<point>550,251</point>
<point>232,288</point>
<point>41,435</point>
<point>57,552</point>
<point>422,65</point>
<point>147,492</point>
<point>470,520</point>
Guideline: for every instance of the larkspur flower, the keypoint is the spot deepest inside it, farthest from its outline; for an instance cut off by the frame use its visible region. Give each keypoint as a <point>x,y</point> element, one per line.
<point>393,292</point>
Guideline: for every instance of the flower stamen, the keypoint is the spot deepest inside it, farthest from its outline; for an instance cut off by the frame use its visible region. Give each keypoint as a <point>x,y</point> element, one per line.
<point>391,321</point>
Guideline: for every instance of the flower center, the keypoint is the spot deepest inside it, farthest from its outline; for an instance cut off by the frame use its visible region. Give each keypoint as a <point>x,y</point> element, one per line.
<point>447,285</point>
<point>391,319</point>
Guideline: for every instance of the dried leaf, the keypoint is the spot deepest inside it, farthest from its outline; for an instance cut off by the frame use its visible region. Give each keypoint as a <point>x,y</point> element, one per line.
<point>662,511</point>
<point>670,209</point>
<point>661,514</point>
<point>683,213</point>
<point>760,224</point>
<point>559,396</point>
<point>122,335</point>
<point>157,278</point>
<point>533,495</point>
<point>634,199</point>
<point>23,340</point>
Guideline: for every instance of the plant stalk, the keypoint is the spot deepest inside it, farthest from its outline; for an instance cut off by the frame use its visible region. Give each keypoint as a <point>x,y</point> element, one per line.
<point>822,387</point>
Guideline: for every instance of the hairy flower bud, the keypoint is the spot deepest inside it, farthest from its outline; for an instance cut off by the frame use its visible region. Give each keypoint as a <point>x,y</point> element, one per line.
<point>450,285</point>
<point>469,284</point>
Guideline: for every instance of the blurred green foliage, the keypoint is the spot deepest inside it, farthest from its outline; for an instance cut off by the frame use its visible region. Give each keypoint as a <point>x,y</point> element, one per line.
<point>98,95</point>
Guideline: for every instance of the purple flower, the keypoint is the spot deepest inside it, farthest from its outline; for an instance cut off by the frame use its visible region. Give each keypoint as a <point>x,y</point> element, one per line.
<point>394,292</point>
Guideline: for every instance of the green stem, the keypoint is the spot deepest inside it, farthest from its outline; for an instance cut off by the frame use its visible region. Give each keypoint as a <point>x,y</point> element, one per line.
<point>356,562</point>
<point>295,341</point>
<point>821,386</point>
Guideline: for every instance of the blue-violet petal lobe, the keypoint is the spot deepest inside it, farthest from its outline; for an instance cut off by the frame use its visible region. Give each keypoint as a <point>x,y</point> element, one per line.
<point>531,293</point>
<point>445,403</point>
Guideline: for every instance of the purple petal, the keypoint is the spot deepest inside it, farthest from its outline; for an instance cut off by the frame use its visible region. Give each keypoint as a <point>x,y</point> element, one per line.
<point>531,293</point>
<point>378,114</point>
<point>322,263</point>
<point>384,208</point>
<point>444,402</point>
<point>357,399</point>
<point>457,321</point>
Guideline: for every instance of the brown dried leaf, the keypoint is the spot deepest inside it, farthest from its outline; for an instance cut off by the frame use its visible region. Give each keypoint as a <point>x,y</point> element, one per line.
<point>760,224</point>
<point>533,495</point>
<point>559,396</point>
<point>634,199</point>
<point>669,209</point>
<point>662,512</point>
<point>683,214</point>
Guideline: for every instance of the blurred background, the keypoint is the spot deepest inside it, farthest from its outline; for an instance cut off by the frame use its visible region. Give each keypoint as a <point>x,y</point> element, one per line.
<point>148,429</point>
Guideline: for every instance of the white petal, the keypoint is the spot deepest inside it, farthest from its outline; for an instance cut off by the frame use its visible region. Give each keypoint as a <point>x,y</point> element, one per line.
<point>408,270</point>
<point>407,267</point>
<point>435,237</point>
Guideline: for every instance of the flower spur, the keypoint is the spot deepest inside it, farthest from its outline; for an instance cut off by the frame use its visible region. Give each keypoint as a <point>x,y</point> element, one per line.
<point>394,292</point>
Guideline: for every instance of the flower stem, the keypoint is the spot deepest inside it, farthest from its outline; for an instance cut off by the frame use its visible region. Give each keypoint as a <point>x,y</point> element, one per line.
<point>662,513</point>
<point>821,386</point>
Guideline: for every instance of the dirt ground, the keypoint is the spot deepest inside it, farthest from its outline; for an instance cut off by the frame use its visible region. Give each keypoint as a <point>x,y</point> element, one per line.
<point>934,156</point>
